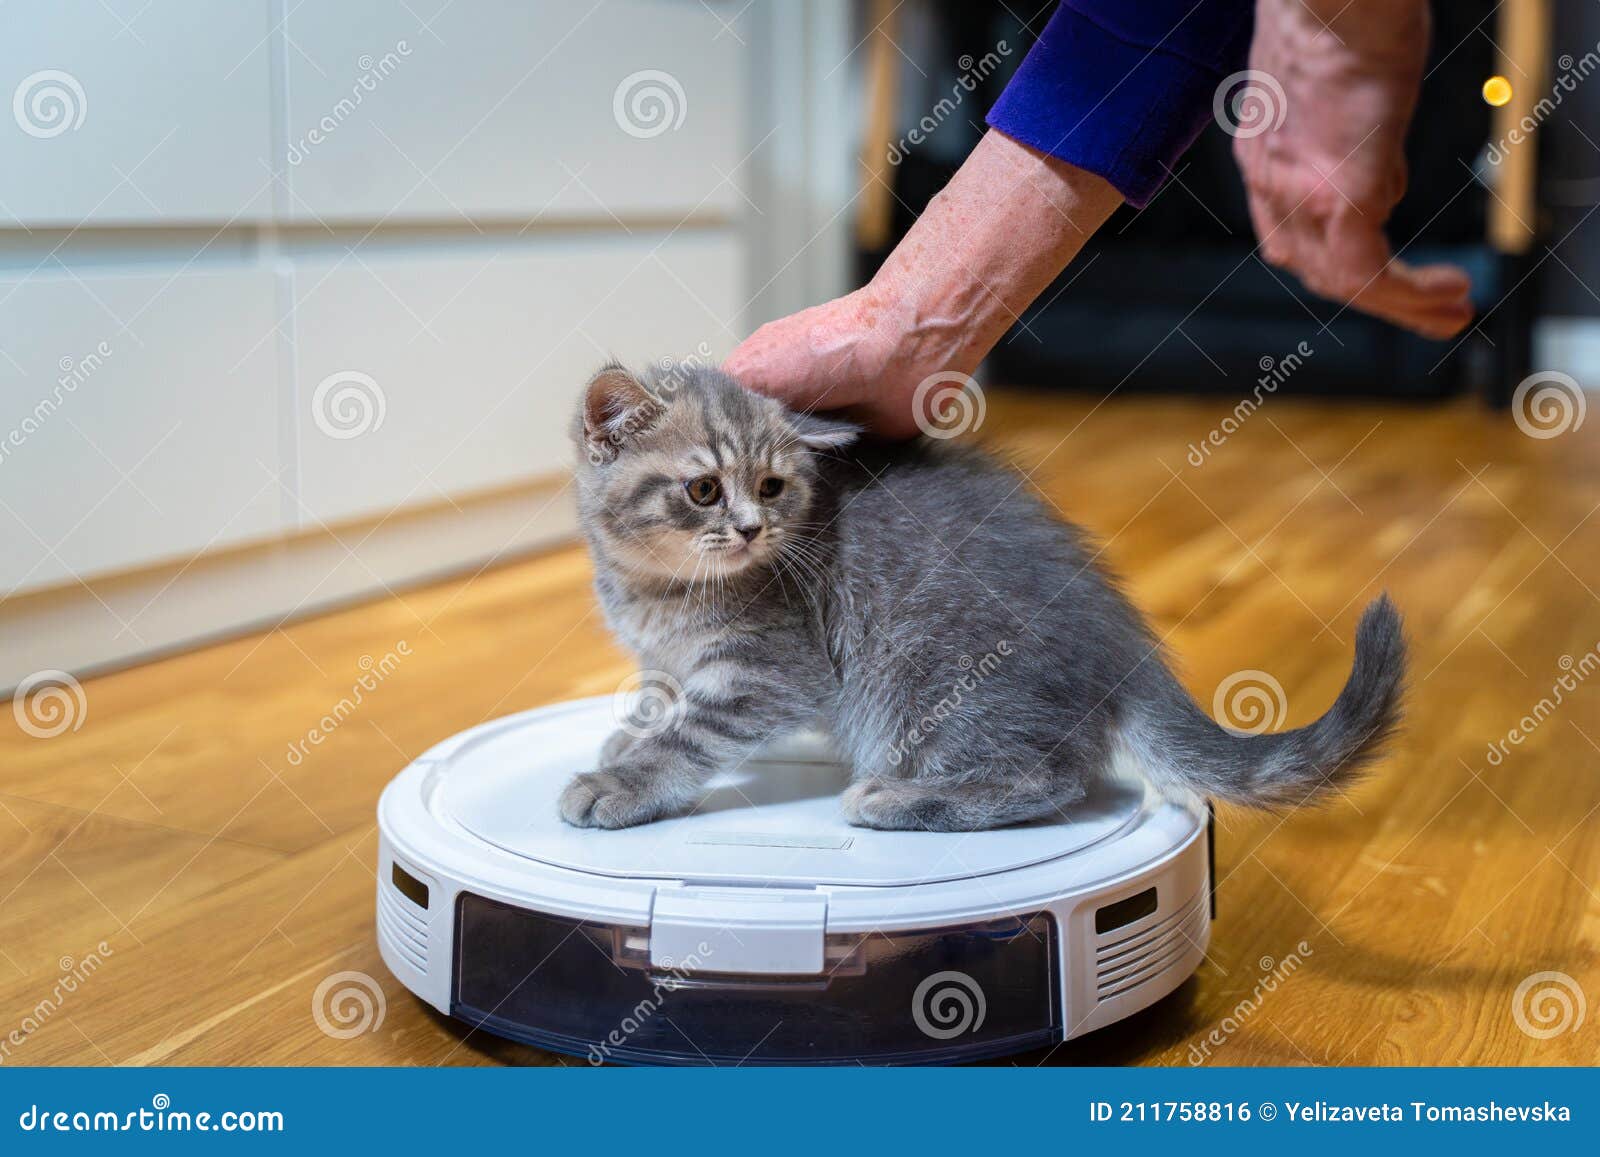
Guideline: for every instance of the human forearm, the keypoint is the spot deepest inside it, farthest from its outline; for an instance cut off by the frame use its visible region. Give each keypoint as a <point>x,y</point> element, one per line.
<point>1382,21</point>
<point>997,235</point>
<point>1003,228</point>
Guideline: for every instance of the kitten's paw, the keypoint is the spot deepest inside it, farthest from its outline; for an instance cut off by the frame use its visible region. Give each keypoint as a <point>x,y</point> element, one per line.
<point>857,801</point>
<point>899,805</point>
<point>599,799</point>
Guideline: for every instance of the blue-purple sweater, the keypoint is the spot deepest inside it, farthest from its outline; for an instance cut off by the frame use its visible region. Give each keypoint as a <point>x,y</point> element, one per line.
<point>1122,87</point>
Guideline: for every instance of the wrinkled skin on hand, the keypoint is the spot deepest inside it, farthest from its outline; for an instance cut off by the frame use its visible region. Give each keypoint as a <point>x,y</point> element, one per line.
<point>1322,185</point>
<point>838,355</point>
<point>993,239</point>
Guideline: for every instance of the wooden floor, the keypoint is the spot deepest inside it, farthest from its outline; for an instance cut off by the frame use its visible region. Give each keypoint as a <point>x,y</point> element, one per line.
<point>213,882</point>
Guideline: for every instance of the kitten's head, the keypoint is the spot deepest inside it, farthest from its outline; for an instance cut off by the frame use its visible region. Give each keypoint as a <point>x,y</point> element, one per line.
<point>685,474</point>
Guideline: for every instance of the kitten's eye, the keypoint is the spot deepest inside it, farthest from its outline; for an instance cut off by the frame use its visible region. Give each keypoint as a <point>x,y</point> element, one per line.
<point>770,487</point>
<point>703,491</point>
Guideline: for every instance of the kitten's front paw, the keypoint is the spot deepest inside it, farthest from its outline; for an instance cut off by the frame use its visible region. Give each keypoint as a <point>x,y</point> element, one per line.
<point>599,799</point>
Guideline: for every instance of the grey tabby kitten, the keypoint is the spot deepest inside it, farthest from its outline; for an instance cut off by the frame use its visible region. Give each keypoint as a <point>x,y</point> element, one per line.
<point>775,568</point>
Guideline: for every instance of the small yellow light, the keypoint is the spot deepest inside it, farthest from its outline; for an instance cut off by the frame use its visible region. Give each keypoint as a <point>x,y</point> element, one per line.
<point>1496,91</point>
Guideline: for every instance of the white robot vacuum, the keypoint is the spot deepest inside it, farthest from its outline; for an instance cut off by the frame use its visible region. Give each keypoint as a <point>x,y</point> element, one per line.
<point>763,929</point>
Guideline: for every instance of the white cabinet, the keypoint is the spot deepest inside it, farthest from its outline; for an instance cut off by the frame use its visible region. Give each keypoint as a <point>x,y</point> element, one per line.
<point>139,419</point>
<point>123,112</point>
<point>425,221</point>
<point>483,109</point>
<point>449,373</point>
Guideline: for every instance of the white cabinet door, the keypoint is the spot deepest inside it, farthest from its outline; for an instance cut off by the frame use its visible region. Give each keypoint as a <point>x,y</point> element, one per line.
<point>138,420</point>
<point>424,376</point>
<point>121,111</point>
<point>444,109</point>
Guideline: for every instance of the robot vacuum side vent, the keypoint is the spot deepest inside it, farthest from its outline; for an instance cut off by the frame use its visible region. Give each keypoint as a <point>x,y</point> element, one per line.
<point>408,934</point>
<point>1131,964</point>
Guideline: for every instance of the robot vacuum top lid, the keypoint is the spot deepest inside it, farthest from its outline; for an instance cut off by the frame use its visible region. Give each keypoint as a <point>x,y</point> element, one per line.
<point>776,820</point>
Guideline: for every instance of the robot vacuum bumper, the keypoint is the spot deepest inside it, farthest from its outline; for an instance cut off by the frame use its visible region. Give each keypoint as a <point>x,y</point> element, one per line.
<point>762,929</point>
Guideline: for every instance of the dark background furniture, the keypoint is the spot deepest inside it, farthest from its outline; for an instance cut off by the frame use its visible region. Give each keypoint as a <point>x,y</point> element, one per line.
<point>1173,298</point>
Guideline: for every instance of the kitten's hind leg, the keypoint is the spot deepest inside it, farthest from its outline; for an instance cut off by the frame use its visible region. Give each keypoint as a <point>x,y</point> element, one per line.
<point>933,806</point>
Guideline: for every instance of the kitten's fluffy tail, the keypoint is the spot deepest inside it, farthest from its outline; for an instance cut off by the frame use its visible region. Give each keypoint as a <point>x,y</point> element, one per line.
<point>1180,747</point>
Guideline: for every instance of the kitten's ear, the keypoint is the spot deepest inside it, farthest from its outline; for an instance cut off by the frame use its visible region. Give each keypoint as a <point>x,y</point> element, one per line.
<point>615,406</point>
<point>821,433</point>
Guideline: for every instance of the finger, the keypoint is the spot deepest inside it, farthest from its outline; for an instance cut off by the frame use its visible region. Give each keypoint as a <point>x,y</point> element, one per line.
<point>1441,279</point>
<point>1399,177</point>
<point>785,360</point>
<point>761,364</point>
<point>1436,322</point>
<point>1430,300</point>
<point>1277,237</point>
<point>1390,298</point>
<point>1267,219</point>
<point>764,360</point>
<point>744,363</point>
<point>1352,262</point>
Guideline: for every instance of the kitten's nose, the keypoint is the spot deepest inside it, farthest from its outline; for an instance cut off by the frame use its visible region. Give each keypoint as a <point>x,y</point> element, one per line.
<point>748,533</point>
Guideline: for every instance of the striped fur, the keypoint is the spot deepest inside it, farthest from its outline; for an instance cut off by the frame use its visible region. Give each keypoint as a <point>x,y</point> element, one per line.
<point>973,663</point>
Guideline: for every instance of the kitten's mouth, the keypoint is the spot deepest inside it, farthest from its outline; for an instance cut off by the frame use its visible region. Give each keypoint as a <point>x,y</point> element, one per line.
<point>733,556</point>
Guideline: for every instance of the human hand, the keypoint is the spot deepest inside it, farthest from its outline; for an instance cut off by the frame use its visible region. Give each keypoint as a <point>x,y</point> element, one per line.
<point>999,233</point>
<point>1322,184</point>
<point>840,355</point>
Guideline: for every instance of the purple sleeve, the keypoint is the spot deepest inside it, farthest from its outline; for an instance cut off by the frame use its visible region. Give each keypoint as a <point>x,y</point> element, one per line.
<point>1122,87</point>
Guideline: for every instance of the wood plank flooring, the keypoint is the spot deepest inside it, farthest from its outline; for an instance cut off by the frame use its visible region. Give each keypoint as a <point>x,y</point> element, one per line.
<point>214,878</point>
